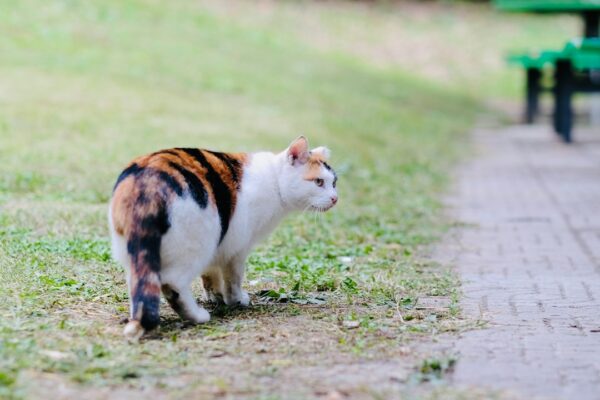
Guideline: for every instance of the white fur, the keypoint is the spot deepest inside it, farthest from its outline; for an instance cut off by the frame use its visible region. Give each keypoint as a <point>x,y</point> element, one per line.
<point>272,186</point>
<point>322,151</point>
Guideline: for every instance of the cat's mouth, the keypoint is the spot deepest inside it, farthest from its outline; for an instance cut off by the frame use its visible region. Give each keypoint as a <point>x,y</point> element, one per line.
<point>322,209</point>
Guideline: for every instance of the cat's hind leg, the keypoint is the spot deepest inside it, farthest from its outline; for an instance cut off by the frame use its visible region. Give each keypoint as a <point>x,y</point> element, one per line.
<point>187,251</point>
<point>183,303</point>
<point>212,281</point>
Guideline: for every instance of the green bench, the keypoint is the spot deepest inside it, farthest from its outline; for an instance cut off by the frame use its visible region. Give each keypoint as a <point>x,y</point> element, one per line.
<point>577,71</point>
<point>575,68</point>
<point>535,65</point>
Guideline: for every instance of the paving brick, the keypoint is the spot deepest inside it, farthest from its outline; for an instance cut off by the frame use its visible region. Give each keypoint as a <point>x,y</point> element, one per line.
<point>529,259</point>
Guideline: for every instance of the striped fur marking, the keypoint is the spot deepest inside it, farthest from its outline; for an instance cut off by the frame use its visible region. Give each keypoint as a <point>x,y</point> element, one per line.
<point>204,174</point>
<point>225,195</point>
<point>233,164</point>
<point>194,184</point>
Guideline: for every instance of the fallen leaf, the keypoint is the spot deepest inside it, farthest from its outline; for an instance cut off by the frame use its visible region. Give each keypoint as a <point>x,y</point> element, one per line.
<point>218,353</point>
<point>351,324</point>
<point>55,355</point>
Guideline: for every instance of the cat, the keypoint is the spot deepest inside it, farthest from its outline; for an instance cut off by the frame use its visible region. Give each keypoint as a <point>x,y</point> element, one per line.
<point>183,212</point>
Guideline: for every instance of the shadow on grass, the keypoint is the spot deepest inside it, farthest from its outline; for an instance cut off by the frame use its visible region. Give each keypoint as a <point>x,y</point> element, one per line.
<point>221,316</point>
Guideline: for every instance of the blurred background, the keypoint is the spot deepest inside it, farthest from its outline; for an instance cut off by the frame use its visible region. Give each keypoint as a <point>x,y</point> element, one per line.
<point>392,87</point>
<point>109,80</point>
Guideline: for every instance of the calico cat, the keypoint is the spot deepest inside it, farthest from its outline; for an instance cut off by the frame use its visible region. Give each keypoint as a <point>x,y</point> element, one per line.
<point>179,213</point>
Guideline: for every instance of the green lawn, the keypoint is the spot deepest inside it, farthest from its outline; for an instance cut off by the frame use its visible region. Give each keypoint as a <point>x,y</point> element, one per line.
<point>87,85</point>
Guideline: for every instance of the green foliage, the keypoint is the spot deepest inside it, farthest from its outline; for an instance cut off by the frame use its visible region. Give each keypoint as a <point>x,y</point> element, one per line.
<point>434,369</point>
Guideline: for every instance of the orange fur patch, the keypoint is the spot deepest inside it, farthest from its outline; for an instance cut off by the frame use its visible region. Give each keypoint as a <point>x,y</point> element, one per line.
<point>313,166</point>
<point>122,205</point>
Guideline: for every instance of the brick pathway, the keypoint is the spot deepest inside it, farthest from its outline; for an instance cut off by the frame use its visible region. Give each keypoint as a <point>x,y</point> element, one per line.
<point>529,259</point>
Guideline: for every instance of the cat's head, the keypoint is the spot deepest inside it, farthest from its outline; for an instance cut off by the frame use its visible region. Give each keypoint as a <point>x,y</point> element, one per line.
<point>306,181</point>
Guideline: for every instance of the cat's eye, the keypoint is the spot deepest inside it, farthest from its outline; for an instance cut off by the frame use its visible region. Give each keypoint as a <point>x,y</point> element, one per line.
<point>335,182</point>
<point>319,182</point>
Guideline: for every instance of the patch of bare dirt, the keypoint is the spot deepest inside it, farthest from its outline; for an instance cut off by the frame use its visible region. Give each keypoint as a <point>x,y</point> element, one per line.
<point>285,351</point>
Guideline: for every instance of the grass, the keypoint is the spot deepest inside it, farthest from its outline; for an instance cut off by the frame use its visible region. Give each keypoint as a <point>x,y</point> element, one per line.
<point>86,86</point>
<point>456,45</point>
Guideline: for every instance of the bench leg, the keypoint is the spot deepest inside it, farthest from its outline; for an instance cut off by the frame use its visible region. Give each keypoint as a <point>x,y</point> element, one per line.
<point>591,24</point>
<point>563,94</point>
<point>533,89</point>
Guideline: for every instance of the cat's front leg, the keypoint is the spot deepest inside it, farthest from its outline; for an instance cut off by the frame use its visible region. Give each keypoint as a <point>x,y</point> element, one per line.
<point>233,276</point>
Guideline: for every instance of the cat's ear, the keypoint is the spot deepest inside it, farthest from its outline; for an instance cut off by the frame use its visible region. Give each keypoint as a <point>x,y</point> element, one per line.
<point>321,152</point>
<point>298,153</point>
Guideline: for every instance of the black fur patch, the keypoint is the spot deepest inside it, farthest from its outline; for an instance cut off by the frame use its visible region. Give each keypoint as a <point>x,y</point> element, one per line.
<point>327,166</point>
<point>133,169</point>
<point>335,177</point>
<point>173,298</point>
<point>233,165</point>
<point>195,186</point>
<point>220,190</point>
<point>150,245</point>
<point>158,222</point>
<point>171,182</point>
<point>148,239</point>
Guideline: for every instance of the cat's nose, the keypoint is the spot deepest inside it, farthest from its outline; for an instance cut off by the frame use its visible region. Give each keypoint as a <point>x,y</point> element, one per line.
<point>333,199</point>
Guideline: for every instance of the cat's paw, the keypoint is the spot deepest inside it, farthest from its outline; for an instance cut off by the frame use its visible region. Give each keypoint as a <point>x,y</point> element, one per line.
<point>244,299</point>
<point>199,316</point>
<point>241,300</point>
<point>133,331</point>
<point>213,297</point>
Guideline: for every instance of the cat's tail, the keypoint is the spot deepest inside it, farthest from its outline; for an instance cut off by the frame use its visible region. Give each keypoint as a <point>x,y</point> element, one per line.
<point>142,221</point>
<point>145,290</point>
<point>143,246</point>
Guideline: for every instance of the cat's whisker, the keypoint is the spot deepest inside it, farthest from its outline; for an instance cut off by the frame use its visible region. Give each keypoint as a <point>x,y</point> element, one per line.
<point>306,209</point>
